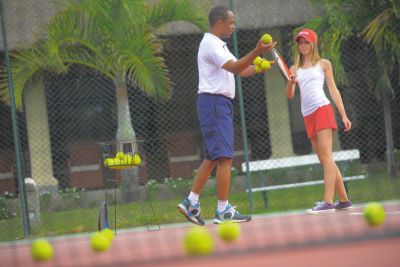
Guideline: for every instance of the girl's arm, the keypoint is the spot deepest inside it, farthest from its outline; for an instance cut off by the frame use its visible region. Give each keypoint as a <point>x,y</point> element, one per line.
<point>334,92</point>
<point>291,85</point>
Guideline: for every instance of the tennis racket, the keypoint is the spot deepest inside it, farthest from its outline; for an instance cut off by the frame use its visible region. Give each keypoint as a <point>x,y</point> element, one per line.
<point>283,68</point>
<point>102,221</point>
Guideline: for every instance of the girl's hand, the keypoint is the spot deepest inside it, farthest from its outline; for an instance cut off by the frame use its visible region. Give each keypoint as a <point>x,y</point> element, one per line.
<point>293,79</point>
<point>347,124</point>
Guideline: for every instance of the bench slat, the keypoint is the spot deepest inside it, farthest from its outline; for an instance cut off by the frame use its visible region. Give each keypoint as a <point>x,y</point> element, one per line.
<point>269,164</point>
<point>293,185</point>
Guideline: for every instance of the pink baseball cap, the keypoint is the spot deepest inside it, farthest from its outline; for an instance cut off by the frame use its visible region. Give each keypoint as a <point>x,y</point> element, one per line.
<point>308,34</point>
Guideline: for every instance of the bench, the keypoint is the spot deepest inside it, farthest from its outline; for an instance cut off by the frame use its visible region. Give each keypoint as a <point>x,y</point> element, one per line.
<point>278,163</point>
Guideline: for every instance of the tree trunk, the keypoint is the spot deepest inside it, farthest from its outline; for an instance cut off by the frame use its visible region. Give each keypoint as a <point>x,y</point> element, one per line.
<point>391,166</point>
<point>125,132</point>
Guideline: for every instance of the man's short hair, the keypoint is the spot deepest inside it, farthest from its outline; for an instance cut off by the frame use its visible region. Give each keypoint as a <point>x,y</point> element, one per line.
<point>217,13</point>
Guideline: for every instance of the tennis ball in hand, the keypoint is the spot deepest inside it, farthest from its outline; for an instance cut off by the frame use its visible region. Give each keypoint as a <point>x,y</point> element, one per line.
<point>265,65</point>
<point>257,61</point>
<point>258,69</point>
<point>266,38</point>
<point>41,250</point>
<point>228,231</point>
<point>99,242</point>
<point>374,214</point>
<point>198,241</point>
<point>108,233</point>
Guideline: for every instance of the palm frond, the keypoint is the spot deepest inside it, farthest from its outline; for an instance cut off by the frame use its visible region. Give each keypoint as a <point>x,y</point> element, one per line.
<point>166,11</point>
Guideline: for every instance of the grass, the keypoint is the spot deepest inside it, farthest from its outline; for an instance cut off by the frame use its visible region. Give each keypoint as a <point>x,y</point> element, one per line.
<point>374,188</point>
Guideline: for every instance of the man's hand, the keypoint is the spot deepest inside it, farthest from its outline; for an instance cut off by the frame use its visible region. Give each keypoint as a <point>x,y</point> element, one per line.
<point>262,48</point>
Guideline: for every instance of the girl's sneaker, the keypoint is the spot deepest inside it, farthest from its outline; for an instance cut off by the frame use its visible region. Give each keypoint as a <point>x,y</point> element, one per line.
<point>321,207</point>
<point>343,205</point>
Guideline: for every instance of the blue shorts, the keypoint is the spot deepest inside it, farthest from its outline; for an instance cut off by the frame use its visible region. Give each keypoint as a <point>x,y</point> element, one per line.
<point>215,114</point>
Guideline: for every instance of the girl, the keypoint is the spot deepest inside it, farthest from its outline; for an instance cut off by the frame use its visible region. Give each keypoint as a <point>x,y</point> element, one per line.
<point>310,72</point>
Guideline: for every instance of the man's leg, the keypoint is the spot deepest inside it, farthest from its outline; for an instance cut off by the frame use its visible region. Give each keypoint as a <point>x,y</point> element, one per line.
<point>202,175</point>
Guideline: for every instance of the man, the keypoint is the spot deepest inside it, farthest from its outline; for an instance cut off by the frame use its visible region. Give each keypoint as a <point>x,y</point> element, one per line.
<point>217,67</point>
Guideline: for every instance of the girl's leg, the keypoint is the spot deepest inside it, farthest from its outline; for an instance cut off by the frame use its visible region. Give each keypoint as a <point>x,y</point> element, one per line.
<point>339,185</point>
<point>324,143</point>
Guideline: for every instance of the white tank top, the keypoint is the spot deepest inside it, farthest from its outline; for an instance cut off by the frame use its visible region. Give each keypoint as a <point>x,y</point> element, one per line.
<point>311,83</point>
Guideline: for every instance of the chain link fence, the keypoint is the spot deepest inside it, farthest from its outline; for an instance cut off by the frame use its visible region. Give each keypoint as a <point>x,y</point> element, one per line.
<point>63,117</point>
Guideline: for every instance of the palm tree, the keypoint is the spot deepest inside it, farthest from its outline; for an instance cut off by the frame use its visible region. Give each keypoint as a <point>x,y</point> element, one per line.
<point>376,22</point>
<point>121,39</point>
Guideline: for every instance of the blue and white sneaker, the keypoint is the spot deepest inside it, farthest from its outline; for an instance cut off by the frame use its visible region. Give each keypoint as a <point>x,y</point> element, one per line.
<point>192,213</point>
<point>230,214</point>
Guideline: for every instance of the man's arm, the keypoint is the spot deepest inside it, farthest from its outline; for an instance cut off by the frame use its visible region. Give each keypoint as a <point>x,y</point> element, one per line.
<point>241,64</point>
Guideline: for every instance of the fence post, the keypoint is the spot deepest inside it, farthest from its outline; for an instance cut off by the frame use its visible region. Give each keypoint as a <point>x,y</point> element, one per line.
<point>17,145</point>
<point>242,118</point>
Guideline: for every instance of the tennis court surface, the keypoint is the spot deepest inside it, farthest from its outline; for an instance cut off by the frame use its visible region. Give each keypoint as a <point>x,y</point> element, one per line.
<point>286,239</point>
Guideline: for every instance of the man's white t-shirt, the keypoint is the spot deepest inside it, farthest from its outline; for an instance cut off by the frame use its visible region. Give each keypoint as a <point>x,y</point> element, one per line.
<point>213,79</point>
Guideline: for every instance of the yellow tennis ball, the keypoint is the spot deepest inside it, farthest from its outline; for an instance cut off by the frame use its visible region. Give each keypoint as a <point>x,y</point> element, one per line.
<point>117,161</point>
<point>198,241</point>
<point>120,155</point>
<point>374,214</point>
<point>257,61</point>
<point>266,38</point>
<point>109,162</point>
<point>108,233</point>
<point>136,160</point>
<point>99,242</point>
<point>265,65</point>
<point>257,69</point>
<point>229,231</point>
<point>41,250</point>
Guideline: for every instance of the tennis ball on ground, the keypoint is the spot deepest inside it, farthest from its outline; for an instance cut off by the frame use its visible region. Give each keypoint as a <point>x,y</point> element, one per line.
<point>266,38</point>
<point>198,241</point>
<point>99,242</point>
<point>120,155</point>
<point>229,231</point>
<point>136,161</point>
<point>265,65</point>
<point>108,233</point>
<point>41,250</point>
<point>374,214</point>
<point>257,61</point>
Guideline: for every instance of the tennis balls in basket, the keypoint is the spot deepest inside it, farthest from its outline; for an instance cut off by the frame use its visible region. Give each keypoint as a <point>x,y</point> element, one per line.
<point>229,231</point>
<point>266,38</point>
<point>99,242</point>
<point>198,241</point>
<point>374,214</point>
<point>120,155</point>
<point>41,250</point>
<point>136,161</point>
<point>109,162</point>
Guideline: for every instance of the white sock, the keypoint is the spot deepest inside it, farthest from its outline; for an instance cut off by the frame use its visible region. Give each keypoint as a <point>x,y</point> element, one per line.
<point>222,204</point>
<point>194,198</point>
